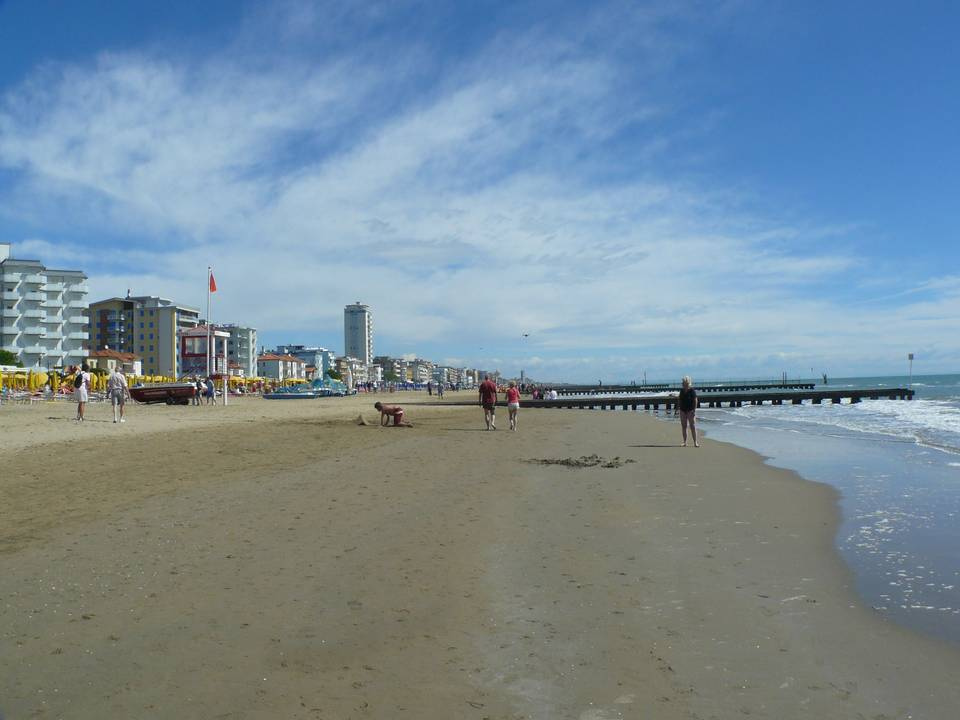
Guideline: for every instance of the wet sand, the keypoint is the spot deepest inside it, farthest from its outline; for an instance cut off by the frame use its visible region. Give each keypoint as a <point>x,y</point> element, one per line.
<point>276,560</point>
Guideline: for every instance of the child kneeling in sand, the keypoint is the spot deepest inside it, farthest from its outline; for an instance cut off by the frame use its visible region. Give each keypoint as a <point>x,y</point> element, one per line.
<point>394,411</point>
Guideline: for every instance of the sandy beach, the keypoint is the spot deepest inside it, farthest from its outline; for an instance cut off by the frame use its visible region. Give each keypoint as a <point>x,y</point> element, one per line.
<point>277,560</point>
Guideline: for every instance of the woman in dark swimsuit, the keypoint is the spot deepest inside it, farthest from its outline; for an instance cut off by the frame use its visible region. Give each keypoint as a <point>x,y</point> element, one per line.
<point>687,405</point>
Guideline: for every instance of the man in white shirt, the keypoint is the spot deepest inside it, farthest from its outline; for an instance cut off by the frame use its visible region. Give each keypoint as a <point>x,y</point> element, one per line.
<point>118,391</point>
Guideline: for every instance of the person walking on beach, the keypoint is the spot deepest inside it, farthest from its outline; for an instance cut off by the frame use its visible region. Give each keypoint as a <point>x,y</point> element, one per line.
<point>198,391</point>
<point>488,398</point>
<point>81,389</point>
<point>211,392</point>
<point>391,411</point>
<point>687,405</point>
<point>118,392</point>
<point>513,404</point>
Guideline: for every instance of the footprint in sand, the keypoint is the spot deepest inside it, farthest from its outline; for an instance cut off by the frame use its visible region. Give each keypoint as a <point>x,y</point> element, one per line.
<point>601,714</point>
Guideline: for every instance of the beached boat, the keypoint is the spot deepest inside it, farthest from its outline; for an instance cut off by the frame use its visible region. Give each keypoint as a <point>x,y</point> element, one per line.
<point>169,393</point>
<point>316,389</point>
<point>293,393</point>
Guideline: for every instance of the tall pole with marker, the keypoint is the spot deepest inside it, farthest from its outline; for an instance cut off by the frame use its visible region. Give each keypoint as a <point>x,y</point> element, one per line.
<point>211,288</point>
<point>910,358</point>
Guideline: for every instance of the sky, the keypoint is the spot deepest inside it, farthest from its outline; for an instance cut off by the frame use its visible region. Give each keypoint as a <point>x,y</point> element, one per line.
<point>579,190</point>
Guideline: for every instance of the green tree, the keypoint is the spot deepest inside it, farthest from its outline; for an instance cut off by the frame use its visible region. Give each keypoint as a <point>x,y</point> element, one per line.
<point>390,376</point>
<point>334,374</point>
<point>8,358</point>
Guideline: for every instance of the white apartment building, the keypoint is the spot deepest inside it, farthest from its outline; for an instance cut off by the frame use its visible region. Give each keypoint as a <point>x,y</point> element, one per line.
<point>420,370</point>
<point>397,367</point>
<point>281,367</point>
<point>352,371</point>
<point>358,332</point>
<point>374,374</point>
<point>43,312</point>
<point>317,357</point>
<point>242,348</point>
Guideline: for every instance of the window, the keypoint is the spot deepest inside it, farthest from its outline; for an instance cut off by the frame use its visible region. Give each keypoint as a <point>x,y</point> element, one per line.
<point>141,326</point>
<point>141,336</point>
<point>141,315</point>
<point>151,313</point>
<point>151,336</point>
<point>151,348</point>
<point>151,324</point>
<point>141,348</point>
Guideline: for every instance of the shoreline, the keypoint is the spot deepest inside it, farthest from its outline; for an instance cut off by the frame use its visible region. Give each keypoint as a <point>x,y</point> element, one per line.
<point>264,560</point>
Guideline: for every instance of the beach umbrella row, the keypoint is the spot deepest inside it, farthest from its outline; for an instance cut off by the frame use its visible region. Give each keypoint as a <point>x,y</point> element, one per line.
<point>34,381</point>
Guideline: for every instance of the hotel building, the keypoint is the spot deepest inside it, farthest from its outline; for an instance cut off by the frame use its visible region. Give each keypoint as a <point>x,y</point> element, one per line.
<point>318,358</point>
<point>241,348</point>
<point>146,325</point>
<point>44,321</point>
<point>358,333</point>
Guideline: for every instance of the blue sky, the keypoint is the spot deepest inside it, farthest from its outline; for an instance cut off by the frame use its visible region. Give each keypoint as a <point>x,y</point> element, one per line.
<point>723,189</point>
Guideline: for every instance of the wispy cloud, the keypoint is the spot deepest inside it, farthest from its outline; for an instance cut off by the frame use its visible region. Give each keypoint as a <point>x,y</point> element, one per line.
<point>526,187</point>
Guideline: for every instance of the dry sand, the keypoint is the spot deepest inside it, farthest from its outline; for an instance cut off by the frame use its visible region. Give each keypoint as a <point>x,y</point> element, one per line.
<point>276,560</point>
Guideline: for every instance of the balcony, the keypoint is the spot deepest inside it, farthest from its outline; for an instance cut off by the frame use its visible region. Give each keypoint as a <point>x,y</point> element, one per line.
<point>35,350</point>
<point>9,313</point>
<point>34,314</point>
<point>10,295</point>
<point>34,330</point>
<point>77,320</point>
<point>52,303</point>
<point>54,335</point>
<point>9,329</point>
<point>34,296</point>
<point>33,279</point>
<point>78,304</point>
<point>53,287</point>
<point>79,288</point>
<point>51,319</point>
<point>78,336</point>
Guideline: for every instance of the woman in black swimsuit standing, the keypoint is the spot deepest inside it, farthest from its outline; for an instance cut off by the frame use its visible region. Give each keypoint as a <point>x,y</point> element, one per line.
<point>687,405</point>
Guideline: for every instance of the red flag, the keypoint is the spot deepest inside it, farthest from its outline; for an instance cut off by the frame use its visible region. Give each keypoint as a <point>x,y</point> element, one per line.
<point>213,284</point>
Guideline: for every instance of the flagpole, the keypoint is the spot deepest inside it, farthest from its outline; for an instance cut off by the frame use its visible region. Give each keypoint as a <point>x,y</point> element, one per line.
<point>209,273</point>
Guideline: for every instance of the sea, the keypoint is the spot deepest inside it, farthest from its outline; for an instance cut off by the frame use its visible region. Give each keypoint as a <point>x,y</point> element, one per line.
<point>896,466</point>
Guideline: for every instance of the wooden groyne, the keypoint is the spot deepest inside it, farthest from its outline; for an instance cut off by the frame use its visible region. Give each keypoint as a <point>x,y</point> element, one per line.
<point>713,400</point>
<point>575,390</point>
<point>720,399</point>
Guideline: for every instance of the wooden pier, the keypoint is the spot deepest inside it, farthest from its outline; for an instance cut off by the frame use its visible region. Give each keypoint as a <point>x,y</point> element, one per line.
<point>574,390</point>
<point>720,399</point>
<point>715,399</point>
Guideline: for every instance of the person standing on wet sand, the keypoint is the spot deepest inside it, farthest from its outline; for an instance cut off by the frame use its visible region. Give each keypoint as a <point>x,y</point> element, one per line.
<point>687,405</point>
<point>488,398</point>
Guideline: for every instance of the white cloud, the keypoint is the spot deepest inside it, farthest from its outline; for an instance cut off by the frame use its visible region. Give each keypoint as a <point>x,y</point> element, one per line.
<point>466,211</point>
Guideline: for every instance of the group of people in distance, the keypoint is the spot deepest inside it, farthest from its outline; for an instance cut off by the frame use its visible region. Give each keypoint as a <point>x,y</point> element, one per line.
<point>117,391</point>
<point>204,389</point>
<point>488,400</point>
<point>686,407</point>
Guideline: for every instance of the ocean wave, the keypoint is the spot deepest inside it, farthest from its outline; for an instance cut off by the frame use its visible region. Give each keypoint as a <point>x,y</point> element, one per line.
<point>933,423</point>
